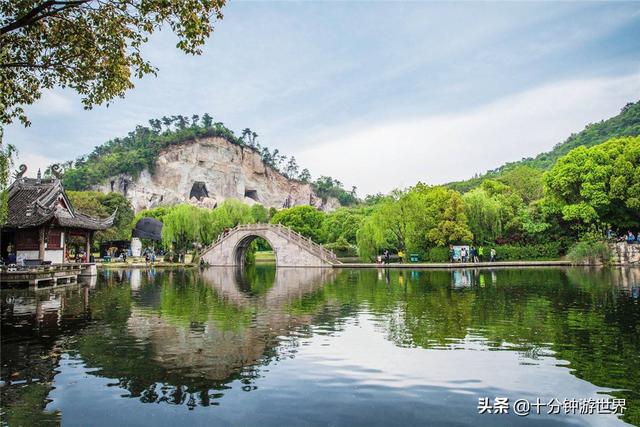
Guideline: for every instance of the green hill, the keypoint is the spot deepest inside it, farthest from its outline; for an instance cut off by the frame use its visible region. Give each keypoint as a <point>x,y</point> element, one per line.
<point>627,123</point>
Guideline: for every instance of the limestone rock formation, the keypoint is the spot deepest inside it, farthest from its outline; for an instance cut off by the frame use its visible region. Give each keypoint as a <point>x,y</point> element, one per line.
<point>207,171</point>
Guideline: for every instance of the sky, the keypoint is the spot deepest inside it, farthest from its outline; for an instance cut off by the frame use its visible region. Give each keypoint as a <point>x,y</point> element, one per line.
<point>379,95</point>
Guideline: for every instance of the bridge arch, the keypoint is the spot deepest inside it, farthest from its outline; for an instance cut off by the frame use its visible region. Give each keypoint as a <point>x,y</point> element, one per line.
<point>240,250</point>
<point>291,249</point>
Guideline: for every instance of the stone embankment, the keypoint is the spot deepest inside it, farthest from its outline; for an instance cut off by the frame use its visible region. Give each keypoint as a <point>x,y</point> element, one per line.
<point>625,254</point>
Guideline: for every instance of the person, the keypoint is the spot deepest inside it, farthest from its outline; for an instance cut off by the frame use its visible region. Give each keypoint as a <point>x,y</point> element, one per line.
<point>638,238</point>
<point>493,254</point>
<point>386,256</point>
<point>474,254</point>
<point>480,253</point>
<point>401,256</point>
<point>630,237</point>
<point>463,255</point>
<point>153,257</point>
<point>83,258</point>
<point>146,258</point>
<point>379,259</point>
<point>452,254</point>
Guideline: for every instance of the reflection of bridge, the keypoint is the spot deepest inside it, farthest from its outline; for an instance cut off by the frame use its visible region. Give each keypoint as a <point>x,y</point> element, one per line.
<point>291,248</point>
<point>215,350</point>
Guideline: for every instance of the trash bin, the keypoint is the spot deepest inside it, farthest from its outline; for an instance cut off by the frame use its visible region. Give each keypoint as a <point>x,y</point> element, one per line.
<point>414,258</point>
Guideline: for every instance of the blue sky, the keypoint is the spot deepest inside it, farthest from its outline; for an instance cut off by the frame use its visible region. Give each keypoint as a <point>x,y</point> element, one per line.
<point>377,94</point>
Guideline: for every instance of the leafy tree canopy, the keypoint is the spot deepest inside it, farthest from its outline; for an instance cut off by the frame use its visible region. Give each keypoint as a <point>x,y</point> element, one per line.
<point>102,205</point>
<point>597,185</point>
<point>306,220</point>
<point>415,220</point>
<point>91,46</point>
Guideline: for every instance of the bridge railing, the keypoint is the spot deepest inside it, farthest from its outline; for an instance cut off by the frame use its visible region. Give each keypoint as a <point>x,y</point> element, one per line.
<point>309,244</point>
<point>306,241</point>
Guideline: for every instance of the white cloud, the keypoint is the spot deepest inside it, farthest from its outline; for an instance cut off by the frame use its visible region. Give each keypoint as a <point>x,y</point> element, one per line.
<point>438,149</point>
<point>33,162</point>
<point>55,103</point>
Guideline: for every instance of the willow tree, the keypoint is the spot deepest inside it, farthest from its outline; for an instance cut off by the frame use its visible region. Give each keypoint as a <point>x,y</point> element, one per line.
<point>415,220</point>
<point>228,214</point>
<point>91,46</point>
<point>181,226</point>
<point>483,215</point>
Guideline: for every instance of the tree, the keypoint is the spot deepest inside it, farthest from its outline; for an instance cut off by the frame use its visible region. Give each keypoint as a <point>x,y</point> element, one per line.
<point>292,168</point>
<point>207,120</point>
<point>343,223</point>
<point>483,216</point>
<point>6,162</point>
<point>260,214</point>
<point>305,175</point>
<point>526,181</point>
<point>182,226</point>
<point>599,185</point>
<point>102,205</point>
<point>91,46</point>
<point>415,220</point>
<point>306,220</point>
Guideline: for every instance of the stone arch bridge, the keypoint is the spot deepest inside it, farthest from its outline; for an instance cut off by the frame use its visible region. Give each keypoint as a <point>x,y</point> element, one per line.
<point>291,248</point>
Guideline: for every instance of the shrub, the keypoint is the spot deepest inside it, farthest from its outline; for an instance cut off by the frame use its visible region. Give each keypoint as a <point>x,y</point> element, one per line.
<point>590,251</point>
<point>342,248</point>
<point>550,250</point>
<point>439,254</point>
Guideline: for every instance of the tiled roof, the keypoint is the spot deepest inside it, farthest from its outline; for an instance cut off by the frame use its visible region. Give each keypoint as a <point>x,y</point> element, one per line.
<point>33,202</point>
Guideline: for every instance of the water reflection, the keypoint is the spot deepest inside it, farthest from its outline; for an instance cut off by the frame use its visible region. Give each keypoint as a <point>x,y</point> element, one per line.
<point>317,338</point>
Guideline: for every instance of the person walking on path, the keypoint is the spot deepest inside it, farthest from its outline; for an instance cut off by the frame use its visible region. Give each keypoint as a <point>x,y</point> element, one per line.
<point>493,254</point>
<point>481,253</point>
<point>452,254</point>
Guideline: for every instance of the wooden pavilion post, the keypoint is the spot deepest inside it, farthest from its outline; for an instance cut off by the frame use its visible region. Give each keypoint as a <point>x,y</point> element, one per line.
<point>41,244</point>
<point>88,235</point>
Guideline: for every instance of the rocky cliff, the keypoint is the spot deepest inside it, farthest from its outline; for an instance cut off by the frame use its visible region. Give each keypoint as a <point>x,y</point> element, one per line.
<point>207,171</point>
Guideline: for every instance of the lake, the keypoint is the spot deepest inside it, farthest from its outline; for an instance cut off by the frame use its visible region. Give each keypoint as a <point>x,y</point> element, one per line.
<point>323,347</point>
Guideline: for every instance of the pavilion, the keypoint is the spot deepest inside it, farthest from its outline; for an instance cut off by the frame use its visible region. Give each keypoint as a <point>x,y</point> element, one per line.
<point>41,221</point>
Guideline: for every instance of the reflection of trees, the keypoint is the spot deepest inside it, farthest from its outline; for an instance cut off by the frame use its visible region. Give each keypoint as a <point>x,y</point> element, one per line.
<point>576,314</point>
<point>182,336</point>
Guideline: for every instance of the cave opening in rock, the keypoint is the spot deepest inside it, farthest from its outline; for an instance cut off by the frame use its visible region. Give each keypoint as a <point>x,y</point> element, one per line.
<point>252,194</point>
<point>199,190</point>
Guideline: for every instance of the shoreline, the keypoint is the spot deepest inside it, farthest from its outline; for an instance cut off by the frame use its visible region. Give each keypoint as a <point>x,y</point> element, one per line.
<point>457,265</point>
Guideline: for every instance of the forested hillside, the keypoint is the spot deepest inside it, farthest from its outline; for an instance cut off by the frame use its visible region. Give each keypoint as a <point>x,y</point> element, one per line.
<point>627,123</point>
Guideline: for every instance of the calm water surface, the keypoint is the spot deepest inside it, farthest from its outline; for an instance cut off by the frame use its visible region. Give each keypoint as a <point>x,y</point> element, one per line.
<point>320,347</point>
